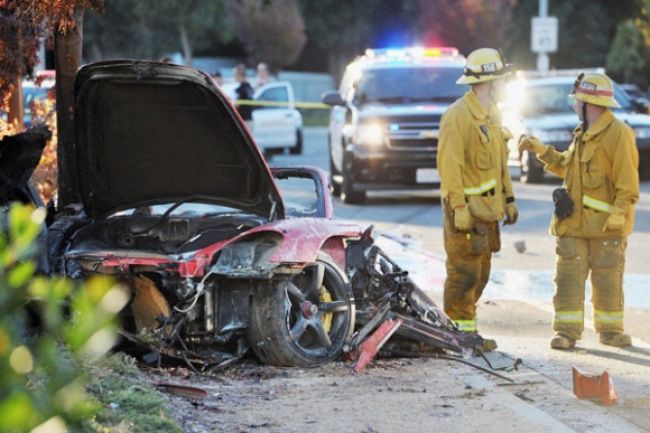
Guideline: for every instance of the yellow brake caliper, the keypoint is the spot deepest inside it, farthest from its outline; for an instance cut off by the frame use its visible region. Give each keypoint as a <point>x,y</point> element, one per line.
<point>326,318</point>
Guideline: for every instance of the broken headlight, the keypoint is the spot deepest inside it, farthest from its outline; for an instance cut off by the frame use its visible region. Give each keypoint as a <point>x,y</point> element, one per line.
<point>247,255</point>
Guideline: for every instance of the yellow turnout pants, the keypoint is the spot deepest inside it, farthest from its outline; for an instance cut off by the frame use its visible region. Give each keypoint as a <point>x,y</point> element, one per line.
<point>576,257</point>
<point>468,263</point>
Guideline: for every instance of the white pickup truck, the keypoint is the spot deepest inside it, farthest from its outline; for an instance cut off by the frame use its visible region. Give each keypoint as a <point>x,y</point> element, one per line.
<point>275,128</point>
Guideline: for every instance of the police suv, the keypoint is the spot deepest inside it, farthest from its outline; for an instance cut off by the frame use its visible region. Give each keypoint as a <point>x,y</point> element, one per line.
<point>383,127</point>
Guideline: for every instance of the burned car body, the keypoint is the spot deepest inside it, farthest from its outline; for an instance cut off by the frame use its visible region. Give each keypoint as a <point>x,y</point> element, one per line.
<point>178,203</point>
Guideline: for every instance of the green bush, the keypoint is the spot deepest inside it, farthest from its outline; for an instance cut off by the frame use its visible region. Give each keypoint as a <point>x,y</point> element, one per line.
<point>42,387</point>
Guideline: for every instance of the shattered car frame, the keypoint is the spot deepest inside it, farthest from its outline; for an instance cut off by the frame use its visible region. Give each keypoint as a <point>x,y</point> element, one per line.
<point>179,205</point>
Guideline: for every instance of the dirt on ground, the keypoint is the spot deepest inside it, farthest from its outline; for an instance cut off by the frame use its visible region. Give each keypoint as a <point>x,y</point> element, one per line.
<point>424,395</point>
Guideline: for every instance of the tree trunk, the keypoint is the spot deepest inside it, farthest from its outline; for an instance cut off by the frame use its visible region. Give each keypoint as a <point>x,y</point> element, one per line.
<point>16,113</point>
<point>67,58</point>
<point>185,43</point>
<point>97,53</point>
<point>337,60</point>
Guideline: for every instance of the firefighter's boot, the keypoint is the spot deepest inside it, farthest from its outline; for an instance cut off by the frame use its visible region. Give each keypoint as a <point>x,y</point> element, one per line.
<point>617,339</point>
<point>488,345</point>
<point>562,342</point>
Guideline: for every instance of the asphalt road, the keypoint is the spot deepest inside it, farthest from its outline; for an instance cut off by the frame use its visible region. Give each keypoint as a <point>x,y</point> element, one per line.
<point>414,218</point>
<point>516,307</point>
<point>417,395</point>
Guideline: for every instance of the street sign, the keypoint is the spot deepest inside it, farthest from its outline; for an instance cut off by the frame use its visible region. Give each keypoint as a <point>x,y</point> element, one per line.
<point>543,38</point>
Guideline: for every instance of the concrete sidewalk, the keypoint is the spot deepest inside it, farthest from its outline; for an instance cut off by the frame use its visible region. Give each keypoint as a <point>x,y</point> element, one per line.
<point>512,312</point>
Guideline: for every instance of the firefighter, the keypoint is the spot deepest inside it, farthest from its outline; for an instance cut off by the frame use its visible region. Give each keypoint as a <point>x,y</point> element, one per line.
<point>594,213</point>
<point>475,185</point>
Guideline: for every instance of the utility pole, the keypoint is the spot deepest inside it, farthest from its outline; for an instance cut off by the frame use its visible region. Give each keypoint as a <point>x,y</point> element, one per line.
<point>543,36</point>
<point>542,57</point>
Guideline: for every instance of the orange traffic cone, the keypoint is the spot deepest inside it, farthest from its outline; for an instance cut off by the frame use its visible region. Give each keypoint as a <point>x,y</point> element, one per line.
<point>595,387</point>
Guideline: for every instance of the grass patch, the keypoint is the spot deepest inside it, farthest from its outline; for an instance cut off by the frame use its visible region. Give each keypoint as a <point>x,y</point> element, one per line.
<point>315,117</point>
<point>128,404</point>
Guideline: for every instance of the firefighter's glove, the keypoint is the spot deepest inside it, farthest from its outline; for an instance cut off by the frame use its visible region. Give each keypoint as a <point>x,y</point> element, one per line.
<point>512,214</point>
<point>531,144</point>
<point>615,221</point>
<point>462,219</point>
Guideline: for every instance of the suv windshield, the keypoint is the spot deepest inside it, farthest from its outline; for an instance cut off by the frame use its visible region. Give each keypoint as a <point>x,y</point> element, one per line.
<point>552,98</point>
<point>403,85</point>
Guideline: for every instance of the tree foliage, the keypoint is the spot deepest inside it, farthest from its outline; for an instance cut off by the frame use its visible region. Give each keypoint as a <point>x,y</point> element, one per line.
<point>341,30</point>
<point>272,31</point>
<point>18,49</point>
<point>586,30</point>
<point>624,60</point>
<point>55,15</point>
<point>40,382</point>
<point>152,28</point>
<point>465,24</point>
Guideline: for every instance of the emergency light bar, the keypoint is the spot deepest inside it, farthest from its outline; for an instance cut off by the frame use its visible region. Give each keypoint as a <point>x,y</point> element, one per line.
<point>412,52</point>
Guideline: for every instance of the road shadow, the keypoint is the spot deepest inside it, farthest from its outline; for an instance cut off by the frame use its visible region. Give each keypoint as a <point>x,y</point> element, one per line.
<point>644,362</point>
<point>399,199</point>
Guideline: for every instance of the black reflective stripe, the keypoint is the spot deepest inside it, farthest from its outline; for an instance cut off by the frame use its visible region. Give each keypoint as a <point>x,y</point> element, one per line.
<point>489,193</point>
<point>469,72</point>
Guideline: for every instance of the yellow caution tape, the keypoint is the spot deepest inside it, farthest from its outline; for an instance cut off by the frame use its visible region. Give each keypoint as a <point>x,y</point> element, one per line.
<point>309,105</point>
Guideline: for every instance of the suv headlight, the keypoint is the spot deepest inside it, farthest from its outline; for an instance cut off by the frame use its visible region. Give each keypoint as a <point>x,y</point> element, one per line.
<point>553,135</point>
<point>371,134</point>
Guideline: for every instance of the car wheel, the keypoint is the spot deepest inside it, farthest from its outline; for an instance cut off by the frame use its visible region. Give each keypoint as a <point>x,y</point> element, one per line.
<point>644,169</point>
<point>297,149</point>
<point>530,170</point>
<point>336,187</point>
<point>304,320</point>
<point>348,194</point>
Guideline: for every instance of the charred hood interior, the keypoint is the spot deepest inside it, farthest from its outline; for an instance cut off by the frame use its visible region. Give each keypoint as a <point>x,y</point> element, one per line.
<point>150,133</point>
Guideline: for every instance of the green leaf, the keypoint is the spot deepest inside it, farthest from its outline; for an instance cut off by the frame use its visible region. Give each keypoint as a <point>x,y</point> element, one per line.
<point>21,274</point>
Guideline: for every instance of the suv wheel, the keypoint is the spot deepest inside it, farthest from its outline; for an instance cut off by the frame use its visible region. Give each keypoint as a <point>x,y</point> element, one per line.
<point>297,148</point>
<point>304,320</point>
<point>336,187</point>
<point>531,172</point>
<point>348,194</point>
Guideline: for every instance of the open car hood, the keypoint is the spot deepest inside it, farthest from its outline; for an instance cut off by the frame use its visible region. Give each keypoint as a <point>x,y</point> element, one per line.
<point>149,132</point>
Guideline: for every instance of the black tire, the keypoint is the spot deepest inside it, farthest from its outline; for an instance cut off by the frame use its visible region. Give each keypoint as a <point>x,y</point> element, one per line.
<point>644,169</point>
<point>531,172</point>
<point>348,194</point>
<point>289,322</point>
<point>297,149</point>
<point>336,187</point>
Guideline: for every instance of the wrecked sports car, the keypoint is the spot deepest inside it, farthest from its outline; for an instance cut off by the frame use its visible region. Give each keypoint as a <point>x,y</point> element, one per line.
<point>177,202</point>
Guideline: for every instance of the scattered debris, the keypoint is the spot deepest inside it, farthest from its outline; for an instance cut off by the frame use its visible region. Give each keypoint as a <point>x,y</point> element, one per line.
<point>384,293</point>
<point>520,246</point>
<point>595,387</point>
<point>372,344</point>
<point>182,391</point>
<point>522,396</point>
